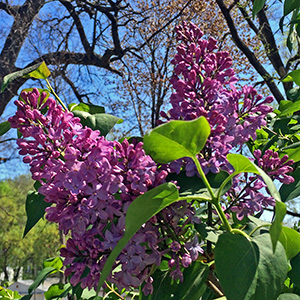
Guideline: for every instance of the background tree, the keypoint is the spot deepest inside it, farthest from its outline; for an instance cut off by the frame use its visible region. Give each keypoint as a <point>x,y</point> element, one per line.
<point>16,252</point>
<point>146,87</point>
<point>89,44</point>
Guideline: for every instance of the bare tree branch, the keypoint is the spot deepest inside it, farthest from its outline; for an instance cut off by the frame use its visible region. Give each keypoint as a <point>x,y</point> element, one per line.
<point>78,24</point>
<point>268,40</point>
<point>249,54</point>
<point>11,10</point>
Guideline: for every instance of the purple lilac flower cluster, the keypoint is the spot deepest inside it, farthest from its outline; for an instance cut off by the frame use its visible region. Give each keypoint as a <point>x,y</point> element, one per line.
<point>247,190</point>
<point>277,168</point>
<point>204,85</point>
<point>251,199</point>
<point>91,182</point>
<point>247,196</point>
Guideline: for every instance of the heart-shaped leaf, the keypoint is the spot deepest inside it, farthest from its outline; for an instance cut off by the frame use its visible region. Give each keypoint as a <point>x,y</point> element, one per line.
<point>177,139</point>
<point>90,108</point>
<point>236,260</point>
<point>250,269</point>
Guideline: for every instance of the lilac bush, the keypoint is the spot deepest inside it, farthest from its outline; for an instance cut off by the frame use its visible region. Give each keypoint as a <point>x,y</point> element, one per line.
<point>91,181</point>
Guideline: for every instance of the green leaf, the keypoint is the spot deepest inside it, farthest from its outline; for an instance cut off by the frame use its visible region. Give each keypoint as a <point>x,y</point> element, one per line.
<point>258,222</point>
<point>250,269</point>
<point>7,294</point>
<point>162,286</point>
<point>242,164</point>
<point>288,296</point>
<point>77,290</point>
<point>194,186</point>
<point>4,127</point>
<point>292,190</point>
<point>67,290</point>
<point>290,5</point>
<point>272,269</point>
<point>90,108</point>
<point>293,76</point>
<point>54,291</point>
<point>55,262</point>
<point>284,104</point>
<point>209,295</point>
<point>39,70</point>
<point>143,208</point>
<point>257,7</point>
<point>40,278</point>
<point>102,122</point>
<point>290,239</point>
<point>37,185</point>
<point>276,227</point>
<point>87,294</point>
<point>294,273</point>
<point>208,233</point>
<point>292,146</point>
<point>192,288</point>
<point>236,260</point>
<point>294,93</point>
<point>282,125</point>
<point>291,108</point>
<point>42,72</point>
<point>35,209</point>
<point>177,139</point>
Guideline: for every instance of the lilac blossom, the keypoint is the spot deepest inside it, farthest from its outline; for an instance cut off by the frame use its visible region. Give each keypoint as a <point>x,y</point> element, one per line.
<point>204,84</point>
<point>277,168</point>
<point>90,183</point>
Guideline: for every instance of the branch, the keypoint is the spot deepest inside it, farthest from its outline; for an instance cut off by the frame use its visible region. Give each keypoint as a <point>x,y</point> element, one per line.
<point>7,213</point>
<point>59,58</point>
<point>249,54</point>
<point>288,212</point>
<point>290,61</point>
<point>268,40</point>
<point>19,32</point>
<point>72,85</point>
<point>108,12</point>
<point>166,25</point>
<point>11,10</point>
<point>74,58</point>
<point>78,25</point>
<point>248,19</point>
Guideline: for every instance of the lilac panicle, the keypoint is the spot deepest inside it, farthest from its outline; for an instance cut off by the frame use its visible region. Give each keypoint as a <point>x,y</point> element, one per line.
<point>204,84</point>
<point>91,182</point>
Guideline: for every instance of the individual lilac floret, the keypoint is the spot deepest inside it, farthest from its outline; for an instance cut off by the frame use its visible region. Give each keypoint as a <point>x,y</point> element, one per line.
<point>91,182</point>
